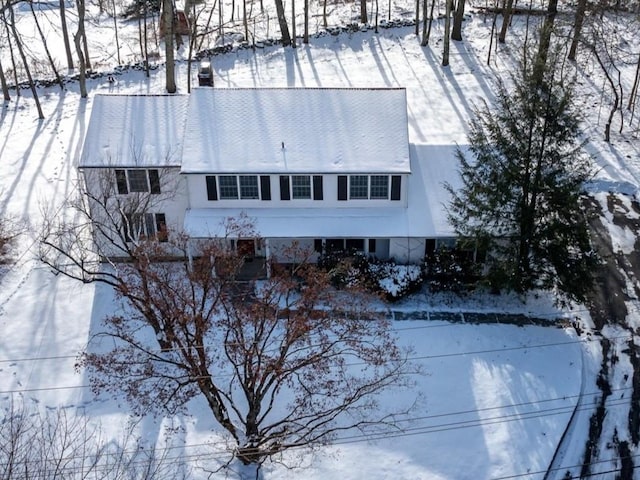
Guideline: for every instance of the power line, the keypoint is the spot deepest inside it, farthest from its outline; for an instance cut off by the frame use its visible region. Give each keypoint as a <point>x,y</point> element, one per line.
<point>520,347</point>
<point>427,429</point>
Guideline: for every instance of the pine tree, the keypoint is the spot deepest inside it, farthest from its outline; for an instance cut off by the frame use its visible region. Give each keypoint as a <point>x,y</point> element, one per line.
<point>522,186</point>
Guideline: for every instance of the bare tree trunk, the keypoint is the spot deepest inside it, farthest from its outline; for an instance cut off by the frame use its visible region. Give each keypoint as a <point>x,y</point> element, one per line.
<point>616,98</point>
<point>458,17</point>
<point>46,48</point>
<point>115,29</point>
<point>634,89</point>
<point>5,87</point>
<point>426,40</point>
<point>425,22</point>
<point>245,21</point>
<point>506,19</point>
<point>293,23</point>
<point>447,28</point>
<point>545,38</point>
<point>24,61</point>
<point>170,72</point>
<point>376,24</point>
<point>363,11</point>
<point>145,40</point>
<point>305,38</point>
<point>11,54</point>
<point>77,39</point>
<point>282,21</point>
<point>65,35</point>
<point>417,17</point>
<point>577,29</point>
<point>324,14</point>
<point>493,30</point>
<point>85,45</point>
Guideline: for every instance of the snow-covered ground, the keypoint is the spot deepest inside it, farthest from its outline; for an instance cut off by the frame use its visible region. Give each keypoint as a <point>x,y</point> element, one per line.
<point>496,398</point>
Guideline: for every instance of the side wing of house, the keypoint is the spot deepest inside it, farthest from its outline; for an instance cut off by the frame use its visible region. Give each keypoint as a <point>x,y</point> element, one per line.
<point>130,167</point>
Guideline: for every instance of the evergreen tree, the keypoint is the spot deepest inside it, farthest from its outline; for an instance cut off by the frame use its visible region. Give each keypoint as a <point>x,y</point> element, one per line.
<point>522,186</point>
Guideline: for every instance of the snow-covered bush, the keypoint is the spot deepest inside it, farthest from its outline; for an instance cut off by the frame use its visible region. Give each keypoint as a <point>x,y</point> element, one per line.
<point>384,277</point>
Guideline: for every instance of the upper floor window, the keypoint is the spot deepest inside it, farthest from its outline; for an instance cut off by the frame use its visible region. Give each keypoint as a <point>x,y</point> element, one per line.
<point>249,186</point>
<point>358,186</point>
<point>376,187</point>
<point>228,187</point>
<point>300,186</point>
<point>379,186</point>
<point>137,181</point>
<point>233,187</point>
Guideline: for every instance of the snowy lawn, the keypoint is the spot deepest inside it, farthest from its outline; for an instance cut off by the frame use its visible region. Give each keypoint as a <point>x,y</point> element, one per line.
<point>496,398</point>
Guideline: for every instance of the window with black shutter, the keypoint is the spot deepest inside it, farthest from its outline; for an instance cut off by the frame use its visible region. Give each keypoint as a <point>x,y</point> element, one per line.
<point>342,187</point>
<point>121,182</point>
<point>395,187</point>
<point>317,187</point>
<point>284,188</point>
<point>265,187</point>
<point>154,181</point>
<point>212,188</point>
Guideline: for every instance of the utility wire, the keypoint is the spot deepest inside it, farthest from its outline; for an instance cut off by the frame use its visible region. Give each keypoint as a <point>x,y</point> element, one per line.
<point>453,354</point>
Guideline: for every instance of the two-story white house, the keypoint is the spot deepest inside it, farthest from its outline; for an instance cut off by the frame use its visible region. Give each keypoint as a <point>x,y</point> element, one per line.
<point>329,168</point>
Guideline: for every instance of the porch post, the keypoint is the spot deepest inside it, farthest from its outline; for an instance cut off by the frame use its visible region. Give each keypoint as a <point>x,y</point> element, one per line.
<point>267,256</point>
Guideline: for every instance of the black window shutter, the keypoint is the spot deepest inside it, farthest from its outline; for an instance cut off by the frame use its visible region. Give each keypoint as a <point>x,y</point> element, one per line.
<point>212,189</point>
<point>317,187</point>
<point>121,182</point>
<point>265,187</point>
<point>161,227</point>
<point>154,181</point>
<point>342,187</point>
<point>317,245</point>
<point>372,245</point>
<point>396,181</point>
<point>284,188</point>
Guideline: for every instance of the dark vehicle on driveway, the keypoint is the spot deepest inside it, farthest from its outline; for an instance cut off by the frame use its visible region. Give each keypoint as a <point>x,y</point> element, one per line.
<point>205,75</point>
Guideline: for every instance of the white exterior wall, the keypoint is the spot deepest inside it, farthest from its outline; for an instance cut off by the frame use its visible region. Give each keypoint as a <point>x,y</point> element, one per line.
<point>172,200</point>
<point>197,192</point>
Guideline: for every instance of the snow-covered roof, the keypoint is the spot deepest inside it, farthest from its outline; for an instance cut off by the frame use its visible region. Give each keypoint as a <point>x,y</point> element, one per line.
<point>296,130</point>
<point>424,217</point>
<point>135,131</point>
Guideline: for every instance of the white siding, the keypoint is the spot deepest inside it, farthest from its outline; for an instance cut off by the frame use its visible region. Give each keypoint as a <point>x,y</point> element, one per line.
<point>172,201</point>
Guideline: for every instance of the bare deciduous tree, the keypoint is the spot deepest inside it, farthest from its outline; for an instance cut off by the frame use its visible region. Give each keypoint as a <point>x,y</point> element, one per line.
<point>168,24</point>
<point>78,40</point>
<point>61,444</point>
<point>3,83</point>
<point>18,43</point>
<point>282,22</point>
<point>577,28</point>
<point>447,34</point>
<point>506,19</point>
<point>281,363</point>
<point>458,18</point>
